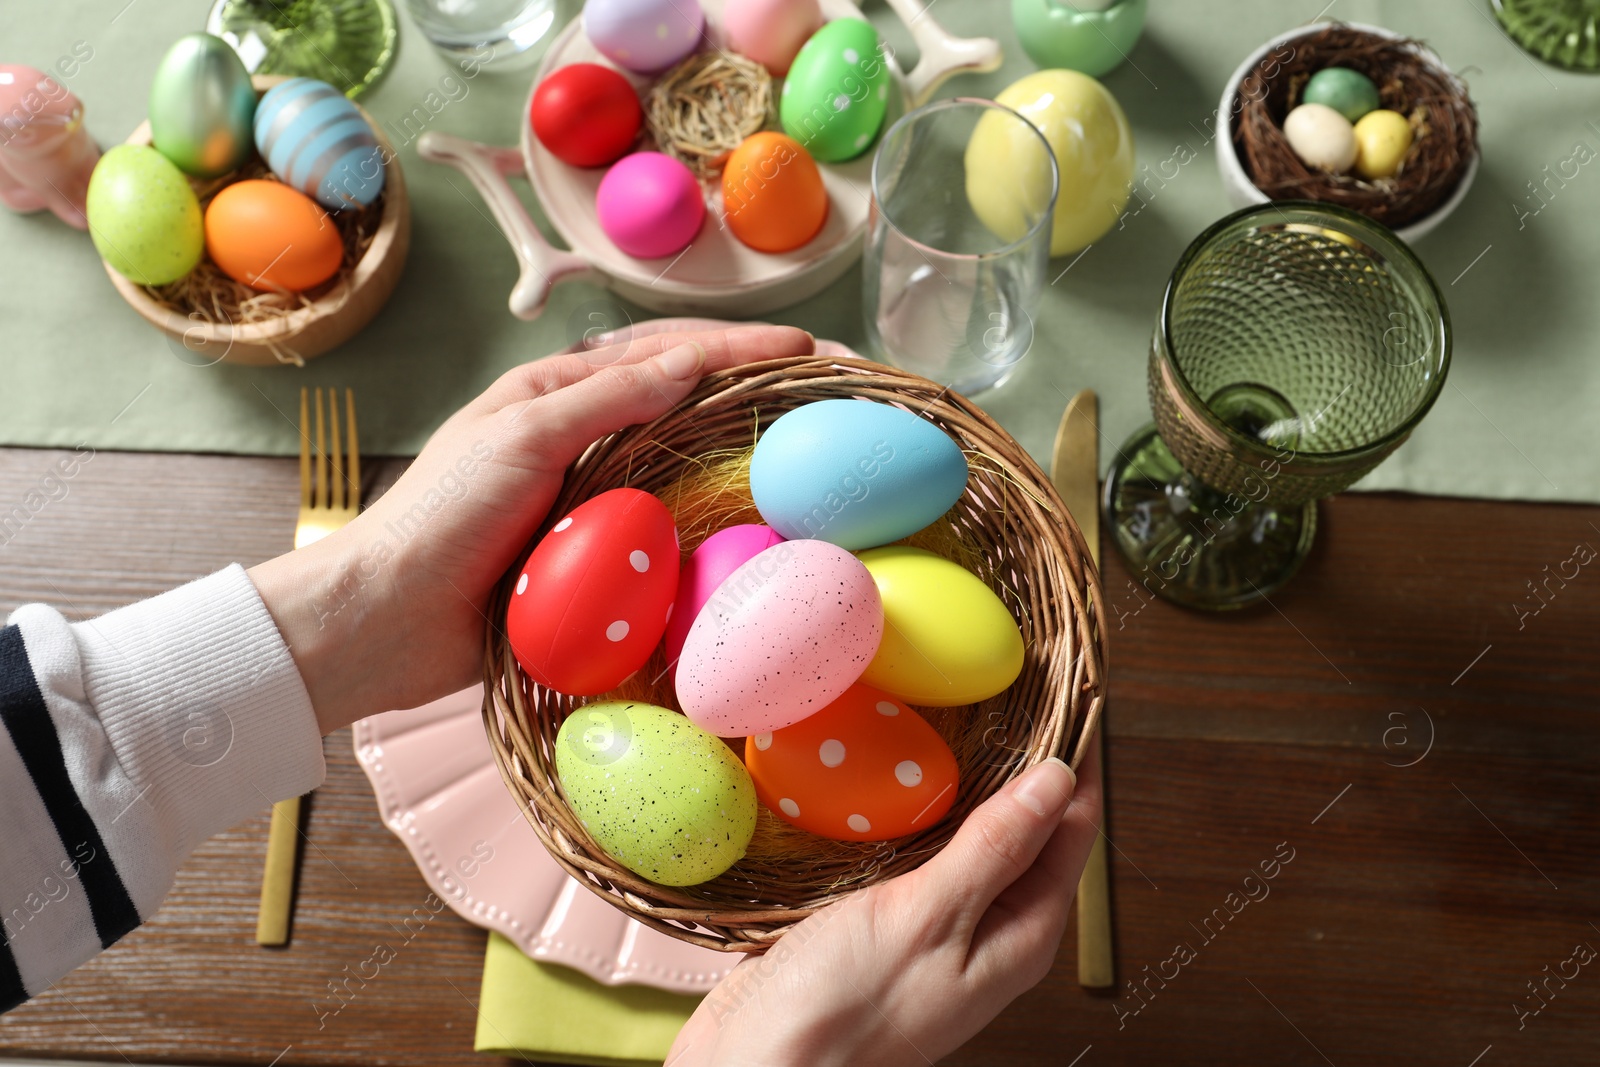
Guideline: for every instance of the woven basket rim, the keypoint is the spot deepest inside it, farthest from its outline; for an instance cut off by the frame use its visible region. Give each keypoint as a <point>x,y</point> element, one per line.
<point>750,908</point>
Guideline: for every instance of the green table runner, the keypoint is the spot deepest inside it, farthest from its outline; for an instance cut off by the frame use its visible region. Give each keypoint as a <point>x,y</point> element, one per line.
<point>1518,261</point>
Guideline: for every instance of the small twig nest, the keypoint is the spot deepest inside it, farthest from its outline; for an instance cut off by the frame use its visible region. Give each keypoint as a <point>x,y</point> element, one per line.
<point>704,107</point>
<point>1443,120</point>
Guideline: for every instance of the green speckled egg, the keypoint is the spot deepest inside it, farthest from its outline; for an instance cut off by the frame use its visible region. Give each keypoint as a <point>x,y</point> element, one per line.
<point>837,91</point>
<point>143,217</point>
<point>664,798</point>
<point>1348,92</point>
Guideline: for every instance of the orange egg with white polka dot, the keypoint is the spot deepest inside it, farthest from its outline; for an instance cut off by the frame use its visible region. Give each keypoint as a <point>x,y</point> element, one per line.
<point>865,768</point>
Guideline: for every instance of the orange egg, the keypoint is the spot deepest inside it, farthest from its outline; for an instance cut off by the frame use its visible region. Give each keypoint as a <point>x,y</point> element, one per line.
<point>864,768</point>
<point>773,194</point>
<point>269,236</point>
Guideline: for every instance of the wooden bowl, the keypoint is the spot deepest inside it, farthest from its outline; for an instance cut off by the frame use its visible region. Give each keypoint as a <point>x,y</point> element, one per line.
<point>1015,535</point>
<point>335,315</point>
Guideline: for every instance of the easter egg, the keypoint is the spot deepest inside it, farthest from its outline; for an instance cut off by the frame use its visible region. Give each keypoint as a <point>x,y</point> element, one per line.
<point>771,31</point>
<point>780,639</point>
<point>837,91</point>
<point>644,35</point>
<point>947,639</point>
<point>1321,137</point>
<point>864,768</point>
<point>317,141</point>
<point>650,205</point>
<point>143,216</point>
<point>586,115</point>
<point>854,472</point>
<point>1382,140</point>
<point>664,798</point>
<point>267,236</point>
<point>708,567</point>
<point>773,194</point>
<point>1347,91</point>
<point>1093,145</point>
<point>201,105</point>
<point>592,601</point>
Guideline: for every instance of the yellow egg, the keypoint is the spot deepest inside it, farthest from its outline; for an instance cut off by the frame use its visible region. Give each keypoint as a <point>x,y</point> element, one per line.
<point>947,639</point>
<point>1093,145</point>
<point>1383,138</point>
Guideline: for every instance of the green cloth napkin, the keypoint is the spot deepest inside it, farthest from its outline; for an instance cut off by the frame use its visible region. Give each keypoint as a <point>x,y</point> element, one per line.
<point>550,1012</point>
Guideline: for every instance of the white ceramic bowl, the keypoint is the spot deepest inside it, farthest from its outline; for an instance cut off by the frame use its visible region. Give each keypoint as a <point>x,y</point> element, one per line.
<point>1236,182</point>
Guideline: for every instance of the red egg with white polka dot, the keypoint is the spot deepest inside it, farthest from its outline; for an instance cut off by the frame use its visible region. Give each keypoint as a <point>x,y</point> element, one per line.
<point>592,601</point>
<point>864,768</point>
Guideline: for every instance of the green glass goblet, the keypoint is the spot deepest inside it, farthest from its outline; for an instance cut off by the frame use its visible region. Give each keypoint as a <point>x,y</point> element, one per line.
<point>1298,345</point>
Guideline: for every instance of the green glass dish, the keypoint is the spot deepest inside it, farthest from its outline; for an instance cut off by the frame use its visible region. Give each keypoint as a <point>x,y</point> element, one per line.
<point>1298,345</point>
<point>1564,33</point>
<point>349,44</point>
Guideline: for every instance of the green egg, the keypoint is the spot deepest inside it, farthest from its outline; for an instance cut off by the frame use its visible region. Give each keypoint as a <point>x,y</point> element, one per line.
<point>664,798</point>
<point>837,91</point>
<point>143,217</point>
<point>202,106</point>
<point>1348,92</point>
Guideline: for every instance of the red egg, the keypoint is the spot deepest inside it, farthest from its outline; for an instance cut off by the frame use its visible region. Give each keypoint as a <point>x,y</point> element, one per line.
<point>593,599</point>
<point>586,115</point>
<point>864,768</point>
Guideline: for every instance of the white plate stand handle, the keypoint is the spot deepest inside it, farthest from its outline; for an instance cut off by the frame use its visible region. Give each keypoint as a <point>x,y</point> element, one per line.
<point>943,53</point>
<point>487,167</point>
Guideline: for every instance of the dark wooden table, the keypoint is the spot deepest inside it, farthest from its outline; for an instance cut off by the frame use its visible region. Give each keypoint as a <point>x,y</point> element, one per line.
<point>1426,755</point>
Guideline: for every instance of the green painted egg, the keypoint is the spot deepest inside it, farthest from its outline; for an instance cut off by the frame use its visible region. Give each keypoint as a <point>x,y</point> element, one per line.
<point>1348,92</point>
<point>143,217</point>
<point>664,798</point>
<point>202,107</point>
<point>837,91</point>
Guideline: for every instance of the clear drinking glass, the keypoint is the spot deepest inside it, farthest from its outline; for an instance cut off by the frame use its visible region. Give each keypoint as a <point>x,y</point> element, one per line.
<point>958,241</point>
<point>464,29</point>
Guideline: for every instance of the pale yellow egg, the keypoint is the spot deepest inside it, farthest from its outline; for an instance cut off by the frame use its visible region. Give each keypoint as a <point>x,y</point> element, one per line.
<point>1382,140</point>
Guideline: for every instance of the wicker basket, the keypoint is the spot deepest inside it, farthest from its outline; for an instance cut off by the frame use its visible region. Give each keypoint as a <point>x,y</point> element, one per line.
<point>1030,552</point>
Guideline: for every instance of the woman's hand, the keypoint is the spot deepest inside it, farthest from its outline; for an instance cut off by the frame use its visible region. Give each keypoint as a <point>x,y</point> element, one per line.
<point>905,972</point>
<point>389,612</point>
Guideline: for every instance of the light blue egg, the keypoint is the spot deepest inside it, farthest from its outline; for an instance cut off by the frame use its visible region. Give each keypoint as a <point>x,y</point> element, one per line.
<point>854,473</point>
<point>315,140</point>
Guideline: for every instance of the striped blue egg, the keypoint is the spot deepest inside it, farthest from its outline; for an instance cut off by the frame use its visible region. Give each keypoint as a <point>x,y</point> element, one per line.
<point>315,140</point>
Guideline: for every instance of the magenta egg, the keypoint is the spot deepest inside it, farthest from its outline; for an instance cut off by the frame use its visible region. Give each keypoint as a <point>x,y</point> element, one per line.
<point>709,565</point>
<point>650,205</point>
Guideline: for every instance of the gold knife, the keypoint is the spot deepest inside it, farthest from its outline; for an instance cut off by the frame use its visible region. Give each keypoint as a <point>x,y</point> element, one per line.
<point>1075,470</point>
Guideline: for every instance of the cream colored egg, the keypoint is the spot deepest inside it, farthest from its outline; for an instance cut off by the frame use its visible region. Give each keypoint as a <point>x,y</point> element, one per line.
<point>1321,137</point>
<point>1382,140</point>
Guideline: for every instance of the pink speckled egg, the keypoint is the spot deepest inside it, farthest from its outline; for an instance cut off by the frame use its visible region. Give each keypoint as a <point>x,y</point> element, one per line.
<point>771,31</point>
<point>780,639</point>
<point>709,565</point>
<point>650,205</point>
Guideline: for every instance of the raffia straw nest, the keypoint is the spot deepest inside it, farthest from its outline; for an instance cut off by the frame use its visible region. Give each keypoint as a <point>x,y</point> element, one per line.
<point>207,295</point>
<point>704,107</point>
<point>1442,116</point>
<point>1010,528</point>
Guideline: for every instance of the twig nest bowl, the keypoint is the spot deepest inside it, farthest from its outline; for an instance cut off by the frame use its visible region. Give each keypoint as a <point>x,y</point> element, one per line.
<point>1258,163</point>
<point>215,319</point>
<point>1009,528</point>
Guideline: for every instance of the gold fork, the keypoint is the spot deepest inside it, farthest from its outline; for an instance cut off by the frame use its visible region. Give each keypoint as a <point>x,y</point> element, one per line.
<point>328,500</point>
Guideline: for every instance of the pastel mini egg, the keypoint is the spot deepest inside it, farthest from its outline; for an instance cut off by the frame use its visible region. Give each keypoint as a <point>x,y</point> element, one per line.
<point>586,115</point>
<point>854,472</point>
<point>781,638</point>
<point>708,567</point>
<point>644,36</point>
<point>771,31</point>
<point>591,603</point>
<point>772,193</point>
<point>317,141</point>
<point>1382,140</point>
<point>864,768</point>
<point>265,235</point>
<point>650,205</point>
<point>947,638</point>
<point>837,91</point>
<point>1322,138</point>
<point>201,106</point>
<point>662,797</point>
<point>143,216</point>
<point>1349,92</point>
